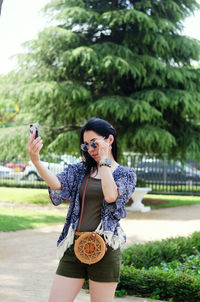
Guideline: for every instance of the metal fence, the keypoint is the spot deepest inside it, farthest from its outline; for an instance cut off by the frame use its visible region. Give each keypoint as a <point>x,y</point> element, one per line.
<point>24,174</point>
<point>163,176</point>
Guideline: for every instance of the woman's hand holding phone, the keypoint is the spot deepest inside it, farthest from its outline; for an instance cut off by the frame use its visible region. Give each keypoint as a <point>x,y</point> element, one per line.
<point>34,146</point>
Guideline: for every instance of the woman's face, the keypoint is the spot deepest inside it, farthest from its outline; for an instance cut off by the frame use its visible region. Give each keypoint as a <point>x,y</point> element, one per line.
<point>91,136</point>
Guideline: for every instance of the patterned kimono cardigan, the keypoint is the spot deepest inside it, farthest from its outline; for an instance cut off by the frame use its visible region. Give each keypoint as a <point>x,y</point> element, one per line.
<point>71,179</point>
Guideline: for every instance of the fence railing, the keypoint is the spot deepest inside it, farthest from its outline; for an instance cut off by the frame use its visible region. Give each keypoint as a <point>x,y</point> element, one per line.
<point>161,175</point>
<point>165,176</point>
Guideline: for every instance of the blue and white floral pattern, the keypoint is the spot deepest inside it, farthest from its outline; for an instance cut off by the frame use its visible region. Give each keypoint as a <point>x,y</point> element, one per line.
<point>71,179</point>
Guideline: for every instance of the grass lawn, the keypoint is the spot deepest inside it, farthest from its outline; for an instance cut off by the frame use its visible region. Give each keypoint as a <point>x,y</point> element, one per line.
<point>19,219</point>
<point>24,195</point>
<point>168,201</point>
<point>40,196</point>
<point>15,218</point>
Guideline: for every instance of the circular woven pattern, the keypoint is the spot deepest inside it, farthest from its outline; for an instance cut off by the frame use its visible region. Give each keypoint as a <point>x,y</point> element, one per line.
<point>89,248</point>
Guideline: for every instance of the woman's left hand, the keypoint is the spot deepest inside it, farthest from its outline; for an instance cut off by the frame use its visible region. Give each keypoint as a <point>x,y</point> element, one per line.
<point>103,148</point>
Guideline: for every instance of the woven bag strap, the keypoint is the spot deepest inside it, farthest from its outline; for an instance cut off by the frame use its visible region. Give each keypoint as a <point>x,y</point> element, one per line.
<point>83,201</point>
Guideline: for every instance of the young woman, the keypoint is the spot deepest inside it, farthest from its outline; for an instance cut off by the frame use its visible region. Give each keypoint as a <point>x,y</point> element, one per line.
<point>109,187</point>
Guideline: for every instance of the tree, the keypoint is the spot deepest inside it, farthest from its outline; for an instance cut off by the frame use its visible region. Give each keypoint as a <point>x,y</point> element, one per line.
<point>8,112</point>
<point>124,61</point>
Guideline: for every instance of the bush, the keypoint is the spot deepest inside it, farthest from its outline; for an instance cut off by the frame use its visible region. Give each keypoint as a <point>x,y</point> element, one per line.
<point>159,284</point>
<point>190,266</point>
<point>153,253</point>
<point>140,277</point>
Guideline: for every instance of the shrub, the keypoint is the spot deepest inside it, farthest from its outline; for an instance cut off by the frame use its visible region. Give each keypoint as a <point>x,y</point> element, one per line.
<point>159,284</point>
<point>190,266</point>
<point>153,253</point>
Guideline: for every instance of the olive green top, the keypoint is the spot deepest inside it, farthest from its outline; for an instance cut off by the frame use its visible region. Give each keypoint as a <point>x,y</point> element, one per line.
<point>92,205</point>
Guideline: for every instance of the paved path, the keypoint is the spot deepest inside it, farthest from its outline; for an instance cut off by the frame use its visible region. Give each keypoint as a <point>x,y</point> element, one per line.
<point>28,258</point>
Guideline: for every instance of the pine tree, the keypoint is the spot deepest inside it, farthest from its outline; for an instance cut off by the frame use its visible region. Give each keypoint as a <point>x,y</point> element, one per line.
<point>122,60</point>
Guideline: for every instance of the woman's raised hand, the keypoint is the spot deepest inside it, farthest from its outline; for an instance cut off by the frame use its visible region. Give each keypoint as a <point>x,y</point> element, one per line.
<point>104,148</point>
<point>33,147</point>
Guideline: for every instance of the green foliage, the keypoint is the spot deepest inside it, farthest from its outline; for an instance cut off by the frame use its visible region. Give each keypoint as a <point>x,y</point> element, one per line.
<point>153,253</point>
<point>120,293</point>
<point>123,107</point>
<point>11,143</point>
<point>124,61</point>
<point>8,111</point>
<point>159,284</point>
<point>64,142</point>
<point>165,270</point>
<point>162,139</point>
<point>190,266</point>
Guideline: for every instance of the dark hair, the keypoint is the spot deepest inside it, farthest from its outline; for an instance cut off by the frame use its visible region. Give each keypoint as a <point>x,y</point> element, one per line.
<point>101,127</point>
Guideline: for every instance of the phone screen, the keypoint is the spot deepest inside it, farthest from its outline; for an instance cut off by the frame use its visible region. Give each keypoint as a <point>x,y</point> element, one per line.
<point>33,127</point>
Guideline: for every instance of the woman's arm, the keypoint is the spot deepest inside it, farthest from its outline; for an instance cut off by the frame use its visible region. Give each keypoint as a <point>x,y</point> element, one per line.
<point>109,186</point>
<point>33,147</point>
<point>50,179</point>
<point>125,181</point>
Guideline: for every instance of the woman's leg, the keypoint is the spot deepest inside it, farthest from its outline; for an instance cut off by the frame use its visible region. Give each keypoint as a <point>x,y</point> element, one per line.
<point>65,289</point>
<point>102,291</point>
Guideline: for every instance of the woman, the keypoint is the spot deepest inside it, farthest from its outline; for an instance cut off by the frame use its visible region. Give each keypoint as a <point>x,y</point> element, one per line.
<point>109,187</point>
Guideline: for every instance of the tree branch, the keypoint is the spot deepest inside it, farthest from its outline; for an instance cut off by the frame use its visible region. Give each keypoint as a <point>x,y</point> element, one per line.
<point>67,128</point>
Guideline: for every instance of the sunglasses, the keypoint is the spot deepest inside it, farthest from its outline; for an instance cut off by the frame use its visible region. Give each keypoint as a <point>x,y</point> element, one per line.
<point>85,147</point>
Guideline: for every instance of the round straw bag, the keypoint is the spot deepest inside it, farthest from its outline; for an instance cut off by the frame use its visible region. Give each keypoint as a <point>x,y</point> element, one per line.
<point>89,248</point>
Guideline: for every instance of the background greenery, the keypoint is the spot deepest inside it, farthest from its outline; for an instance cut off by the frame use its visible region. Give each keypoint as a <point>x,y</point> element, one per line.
<point>24,195</point>
<point>16,212</point>
<point>167,269</point>
<point>22,208</point>
<point>13,219</point>
<point>124,61</point>
<point>40,196</point>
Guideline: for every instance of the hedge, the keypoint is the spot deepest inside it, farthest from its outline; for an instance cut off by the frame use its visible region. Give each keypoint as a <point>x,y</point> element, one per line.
<point>159,284</point>
<point>153,253</point>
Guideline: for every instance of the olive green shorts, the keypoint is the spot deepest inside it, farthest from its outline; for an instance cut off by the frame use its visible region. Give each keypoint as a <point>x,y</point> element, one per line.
<point>106,270</point>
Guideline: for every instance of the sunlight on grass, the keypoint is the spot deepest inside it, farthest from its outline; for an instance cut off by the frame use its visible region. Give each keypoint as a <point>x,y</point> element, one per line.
<point>173,197</point>
<point>24,195</point>
<point>170,201</point>
<point>17,219</point>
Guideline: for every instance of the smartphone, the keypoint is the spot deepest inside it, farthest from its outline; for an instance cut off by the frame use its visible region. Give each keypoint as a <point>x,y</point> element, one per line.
<point>33,127</point>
